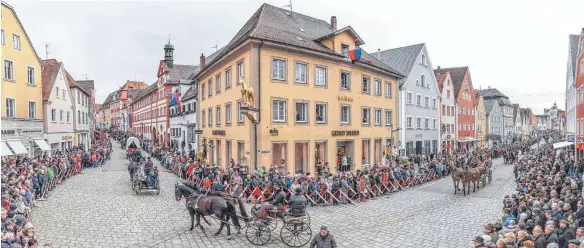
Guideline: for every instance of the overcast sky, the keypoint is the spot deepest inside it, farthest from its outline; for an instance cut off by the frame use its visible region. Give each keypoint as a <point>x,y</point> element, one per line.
<point>519,47</point>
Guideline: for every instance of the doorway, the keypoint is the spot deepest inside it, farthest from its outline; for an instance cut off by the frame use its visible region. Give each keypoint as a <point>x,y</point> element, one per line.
<point>320,153</point>
<point>345,154</point>
<point>418,147</point>
<point>377,151</point>
<point>365,152</point>
<point>300,157</point>
<point>218,149</point>
<point>228,152</point>
<point>240,152</point>
<point>279,160</point>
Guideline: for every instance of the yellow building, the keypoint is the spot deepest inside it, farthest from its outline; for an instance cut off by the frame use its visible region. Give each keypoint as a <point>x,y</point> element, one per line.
<point>481,120</point>
<point>22,115</point>
<point>305,101</point>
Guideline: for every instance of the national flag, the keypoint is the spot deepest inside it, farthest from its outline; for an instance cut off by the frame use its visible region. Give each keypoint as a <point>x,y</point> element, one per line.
<point>355,54</point>
<point>175,101</point>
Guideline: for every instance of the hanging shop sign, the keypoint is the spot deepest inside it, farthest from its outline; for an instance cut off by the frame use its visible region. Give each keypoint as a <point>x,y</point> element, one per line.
<point>274,132</point>
<point>345,133</point>
<point>345,98</point>
<point>218,132</point>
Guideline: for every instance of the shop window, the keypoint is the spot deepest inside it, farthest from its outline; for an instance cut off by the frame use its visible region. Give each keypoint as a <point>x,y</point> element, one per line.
<point>345,150</point>
<point>365,152</point>
<point>300,158</point>
<point>321,112</point>
<point>320,155</point>
<point>345,80</point>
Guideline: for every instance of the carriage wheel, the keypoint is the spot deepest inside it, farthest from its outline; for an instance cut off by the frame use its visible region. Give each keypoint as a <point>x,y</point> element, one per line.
<point>306,218</point>
<point>257,233</point>
<point>296,234</point>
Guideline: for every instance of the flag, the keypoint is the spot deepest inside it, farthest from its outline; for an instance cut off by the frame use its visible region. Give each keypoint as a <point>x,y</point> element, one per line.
<point>355,54</point>
<point>175,101</point>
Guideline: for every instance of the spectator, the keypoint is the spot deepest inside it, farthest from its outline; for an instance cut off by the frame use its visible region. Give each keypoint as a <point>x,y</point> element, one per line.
<point>323,240</point>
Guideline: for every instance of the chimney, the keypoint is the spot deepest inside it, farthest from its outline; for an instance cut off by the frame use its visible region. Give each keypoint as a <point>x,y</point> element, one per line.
<point>379,53</point>
<point>202,61</point>
<point>334,22</point>
<point>489,86</point>
<point>438,67</point>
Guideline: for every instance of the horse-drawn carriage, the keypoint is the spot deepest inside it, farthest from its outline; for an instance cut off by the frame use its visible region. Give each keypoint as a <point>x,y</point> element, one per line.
<point>295,231</point>
<point>131,144</point>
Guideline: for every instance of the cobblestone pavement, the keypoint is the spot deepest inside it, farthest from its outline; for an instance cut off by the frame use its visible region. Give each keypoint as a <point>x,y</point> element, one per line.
<point>99,209</point>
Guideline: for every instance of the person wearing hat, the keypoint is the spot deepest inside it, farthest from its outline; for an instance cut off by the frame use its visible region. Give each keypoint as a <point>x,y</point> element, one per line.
<point>297,203</point>
<point>565,233</point>
<point>479,242</point>
<point>574,243</point>
<point>323,239</point>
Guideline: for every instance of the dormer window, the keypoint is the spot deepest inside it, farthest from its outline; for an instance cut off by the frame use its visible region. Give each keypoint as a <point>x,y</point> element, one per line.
<point>345,50</point>
<point>424,60</point>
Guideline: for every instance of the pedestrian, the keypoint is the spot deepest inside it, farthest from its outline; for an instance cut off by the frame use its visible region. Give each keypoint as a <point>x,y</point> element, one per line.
<point>323,240</point>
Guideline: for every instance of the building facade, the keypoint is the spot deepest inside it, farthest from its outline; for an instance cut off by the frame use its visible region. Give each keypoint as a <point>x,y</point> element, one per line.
<point>183,123</point>
<point>22,115</point>
<point>503,125</point>
<point>494,115</point>
<point>571,123</point>
<point>81,99</point>
<point>447,112</point>
<point>305,102</point>
<point>419,99</point>
<point>57,106</point>
<point>480,120</point>
<point>465,106</point>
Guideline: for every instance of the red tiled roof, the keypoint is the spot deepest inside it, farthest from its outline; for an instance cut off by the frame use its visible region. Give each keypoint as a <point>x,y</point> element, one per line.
<point>440,77</point>
<point>49,72</point>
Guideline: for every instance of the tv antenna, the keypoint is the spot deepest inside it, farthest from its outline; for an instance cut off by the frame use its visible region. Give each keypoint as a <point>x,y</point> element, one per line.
<point>216,46</point>
<point>85,75</point>
<point>288,6</point>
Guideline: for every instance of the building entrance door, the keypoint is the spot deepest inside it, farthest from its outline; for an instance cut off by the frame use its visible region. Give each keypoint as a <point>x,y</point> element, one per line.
<point>418,147</point>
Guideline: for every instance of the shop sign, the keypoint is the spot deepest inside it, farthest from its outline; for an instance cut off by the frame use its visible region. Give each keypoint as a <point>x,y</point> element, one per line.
<point>266,151</point>
<point>199,131</point>
<point>218,132</point>
<point>20,131</point>
<point>345,133</point>
<point>345,98</point>
<point>8,132</point>
<point>274,132</point>
<point>68,137</point>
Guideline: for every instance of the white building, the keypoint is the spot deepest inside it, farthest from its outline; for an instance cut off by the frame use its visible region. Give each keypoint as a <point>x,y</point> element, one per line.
<point>571,86</point>
<point>81,98</point>
<point>58,107</point>
<point>183,124</point>
<point>447,111</point>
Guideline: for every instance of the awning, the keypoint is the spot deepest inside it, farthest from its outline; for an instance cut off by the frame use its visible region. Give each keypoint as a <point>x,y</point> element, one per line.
<point>42,144</point>
<point>5,150</point>
<point>17,147</point>
<point>562,144</point>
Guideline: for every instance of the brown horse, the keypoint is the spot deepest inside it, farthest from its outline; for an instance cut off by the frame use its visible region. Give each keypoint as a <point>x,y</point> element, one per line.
<point>457,177</point>
<point>473,175</point>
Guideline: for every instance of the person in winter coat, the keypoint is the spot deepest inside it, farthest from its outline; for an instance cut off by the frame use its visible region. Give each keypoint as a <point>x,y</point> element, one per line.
<point>566,233</point>
<point>323,240</point>
<point>550,235</point>
<point>540,239</point>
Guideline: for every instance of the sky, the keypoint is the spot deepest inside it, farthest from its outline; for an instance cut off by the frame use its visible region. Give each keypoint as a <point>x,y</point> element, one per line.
<point>517,46</point>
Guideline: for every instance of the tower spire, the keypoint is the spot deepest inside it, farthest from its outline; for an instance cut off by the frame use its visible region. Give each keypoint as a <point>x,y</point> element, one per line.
<point>168,53</point>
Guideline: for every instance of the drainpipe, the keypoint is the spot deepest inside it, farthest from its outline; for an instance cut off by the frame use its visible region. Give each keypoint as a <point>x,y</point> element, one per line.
<point>255,125</point>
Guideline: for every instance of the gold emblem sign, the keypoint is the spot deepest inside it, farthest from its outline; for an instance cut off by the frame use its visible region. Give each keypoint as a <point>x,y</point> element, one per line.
<point>247,95</point>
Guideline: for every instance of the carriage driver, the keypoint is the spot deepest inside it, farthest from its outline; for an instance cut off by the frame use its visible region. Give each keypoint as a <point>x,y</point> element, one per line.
<point>297,203</point>
<point>273,202</point>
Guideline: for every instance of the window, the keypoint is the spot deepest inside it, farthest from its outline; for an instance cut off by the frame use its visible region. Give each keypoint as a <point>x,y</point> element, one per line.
<point>345,80</point>
<point>378,117</point>
<point>3,39</point>
<point>228,114</point>
<point>423,59</point>
<point>279,111</point>
<point>240,72</point>
<point>239,112</point>
<point>218,113</point>
<point>366,85</point>
<point>418,99</point>
<point>30,76</point>
<point>366,116</point>
<point>423,80</point>
<point>68,116</point>
<point>57,91</point>
<point>452,110</point>
<point>419,122</point>
<point>10,107</point>
<point>32,110</point>
<point>218,83</point>
<point>210,112</point>
<point>78,97</point>
<point>388,118</point>
<point>320,76</point>
<point>345,114</point>
<point>320,113</point>
<point>53,115</point>
<point>61,115</point>
<point>203,118</point>
<point>345,50</point>
<point>409,122</point>
<point>16,42</point>
<point>64,94</point>
<point>388,89</point>
<point>8,70</point>
<point>459,126</point>
<point>426,101</point>
<point>427,123</point>
<point>409,96</point>
<point>301,112</point>
<point>443,109</point>
<point>228,78</point>
<point>301,72</point>
<point>210,91</point>
<point>78,116</point>
<point>203,91</point>
<point>377,88</point>
<point>278,69</point>
<point>434,124</point>
<point>447,94</point>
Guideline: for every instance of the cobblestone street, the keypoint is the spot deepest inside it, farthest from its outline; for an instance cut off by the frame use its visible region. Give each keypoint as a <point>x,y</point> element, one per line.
<point>99,209</point>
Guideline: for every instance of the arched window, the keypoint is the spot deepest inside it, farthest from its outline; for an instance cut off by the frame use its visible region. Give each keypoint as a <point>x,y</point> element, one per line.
<point>423,59</point>
<point>423,80</point>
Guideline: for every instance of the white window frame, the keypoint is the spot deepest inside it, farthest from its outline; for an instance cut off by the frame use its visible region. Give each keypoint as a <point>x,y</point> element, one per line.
<point>53,115</point>
<point>3,38</point>
<point>419,122</point>
<point>68,116</point>
<point>210,87</point>
<point>377,117</point>
<point>323,114</point>
<point>240,70</point>
<point>281,114</point>
<point>423,80</point>
<point>12,111</point>
<point>409,122</point>
<point>228,78</point>
<point>388,121</point>
<point>320,82</point>
<point>377,87</point>
<point>30,77</point>
<point>34,116</point>
<point>304,106</point>
<point>348,108</point>
<point>218,83</point>
<point>240,117</point>
<point>409,97</point>
<point>9,76</point>
<point>228,113</point>
<point>348,80</point>
<point>300,76</point>
<point>278,69</point>
<point>368,91</point>
<point>16,44</point>
<point>434,103</point>
<point>427,101</point>
<point>365,115</point>
<point>210,117</point>
<point>61,115</point>
<point>419,96</point>
<point>218,115</point>
<point>426,123</point>
<point>388,90</point>
<point>435,123</point>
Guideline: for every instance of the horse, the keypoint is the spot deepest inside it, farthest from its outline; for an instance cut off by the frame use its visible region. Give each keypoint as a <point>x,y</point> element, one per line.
<point>226,196</point>
<point>457,177</point>
<point>201,205</point>
<point>472,176</point>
